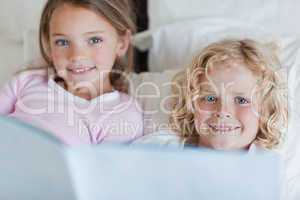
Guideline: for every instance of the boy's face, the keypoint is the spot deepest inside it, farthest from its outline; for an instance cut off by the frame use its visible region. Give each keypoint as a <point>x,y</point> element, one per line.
<point>226,115</point>
<point>83,45</point>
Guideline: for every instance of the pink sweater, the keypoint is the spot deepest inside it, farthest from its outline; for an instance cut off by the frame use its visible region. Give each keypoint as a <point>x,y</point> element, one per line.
<point>36,99</point>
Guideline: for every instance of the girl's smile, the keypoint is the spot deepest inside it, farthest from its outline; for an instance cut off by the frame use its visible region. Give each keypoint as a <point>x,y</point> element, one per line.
<point>84,47</point>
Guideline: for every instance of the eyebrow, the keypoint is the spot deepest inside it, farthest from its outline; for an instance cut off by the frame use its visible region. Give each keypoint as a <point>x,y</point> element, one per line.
<point>207,91</point>
<point>87,33</point>
<point>240,93</point>
<point>207,88</point>
<point>93,32</point>
<point>58,34</point>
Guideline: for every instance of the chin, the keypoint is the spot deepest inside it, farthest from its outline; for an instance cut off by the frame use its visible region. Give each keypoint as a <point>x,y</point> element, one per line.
<point>227,148</point>
<point>228,145</point>
<point>83,79</point>
<point>223,144</point>
<point>222,147</point>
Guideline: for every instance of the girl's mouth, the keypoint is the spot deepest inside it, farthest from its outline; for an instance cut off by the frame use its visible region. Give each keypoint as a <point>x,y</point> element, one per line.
<point>81,70</point>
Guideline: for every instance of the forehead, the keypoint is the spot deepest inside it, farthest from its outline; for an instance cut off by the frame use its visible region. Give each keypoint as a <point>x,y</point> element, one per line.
<point>70,18</point>
<point>234,77</point>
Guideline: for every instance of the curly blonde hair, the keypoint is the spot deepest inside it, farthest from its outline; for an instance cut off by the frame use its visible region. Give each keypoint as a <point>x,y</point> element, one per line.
<point>261,61</point>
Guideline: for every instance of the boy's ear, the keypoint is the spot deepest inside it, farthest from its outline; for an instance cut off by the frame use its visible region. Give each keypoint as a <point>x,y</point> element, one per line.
<point>124,42</point>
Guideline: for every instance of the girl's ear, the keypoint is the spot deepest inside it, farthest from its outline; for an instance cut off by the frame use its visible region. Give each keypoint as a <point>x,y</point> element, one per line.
<point>124,42</point>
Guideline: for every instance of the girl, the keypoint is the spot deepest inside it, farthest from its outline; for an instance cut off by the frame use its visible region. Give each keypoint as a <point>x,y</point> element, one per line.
<point>229,97</point>
<point>81,96</point>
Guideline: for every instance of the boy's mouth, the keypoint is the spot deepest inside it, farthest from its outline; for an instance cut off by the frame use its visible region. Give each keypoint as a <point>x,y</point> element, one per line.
<point>223,127</point>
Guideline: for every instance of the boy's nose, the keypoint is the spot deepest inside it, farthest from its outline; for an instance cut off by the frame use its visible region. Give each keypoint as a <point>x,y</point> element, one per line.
<point>223,111</point>
<point>222,115</point>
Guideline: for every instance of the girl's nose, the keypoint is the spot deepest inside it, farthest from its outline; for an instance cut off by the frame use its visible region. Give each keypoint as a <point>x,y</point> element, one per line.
<point>78,53</point>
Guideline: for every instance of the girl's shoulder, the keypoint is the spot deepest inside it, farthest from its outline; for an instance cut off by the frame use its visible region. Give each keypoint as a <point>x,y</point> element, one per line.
<point>31,76</point>
<point>27,78</point>
<point>126,97</point>
<point>130,100</point>
<point>164,138</point>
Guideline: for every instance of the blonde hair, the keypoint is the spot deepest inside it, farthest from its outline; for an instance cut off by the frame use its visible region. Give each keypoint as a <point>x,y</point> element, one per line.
<point>261,61</point>
<point>117,12</point>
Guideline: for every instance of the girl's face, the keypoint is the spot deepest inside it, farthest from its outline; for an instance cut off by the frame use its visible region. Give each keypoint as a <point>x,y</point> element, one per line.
<point>83,45</point>
<point>226,114</point>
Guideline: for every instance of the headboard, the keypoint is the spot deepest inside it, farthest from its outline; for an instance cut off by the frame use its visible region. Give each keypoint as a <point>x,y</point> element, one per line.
<point>142,22</point>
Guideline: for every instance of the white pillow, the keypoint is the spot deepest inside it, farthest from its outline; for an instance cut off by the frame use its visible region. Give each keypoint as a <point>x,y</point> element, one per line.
<point>32,54</point>
<point>173,45</point>
<point>16,18</point>
<point>276,15</point>
<point>11,58</point>
<point>153,92</point>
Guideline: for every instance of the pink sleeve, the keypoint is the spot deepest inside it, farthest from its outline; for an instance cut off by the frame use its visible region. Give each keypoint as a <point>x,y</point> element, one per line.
<point>8,97</point>
<point>124,126</point>
<point>133,120</point>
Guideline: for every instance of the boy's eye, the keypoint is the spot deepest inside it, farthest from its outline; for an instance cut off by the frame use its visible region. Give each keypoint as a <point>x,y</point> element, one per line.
<point>95,40</point>
<point>241,100</point>
<point>210,99</point>
<point>62,42</point>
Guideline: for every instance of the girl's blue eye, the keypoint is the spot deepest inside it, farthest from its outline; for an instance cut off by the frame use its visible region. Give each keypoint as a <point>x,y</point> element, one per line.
<point>210,99</point>
<point>95,40</point>
<point>62,42</point>
<point>241,100</point>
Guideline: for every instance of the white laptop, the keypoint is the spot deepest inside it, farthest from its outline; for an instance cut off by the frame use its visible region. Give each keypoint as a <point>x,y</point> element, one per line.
<point>150,173</point>
<point>34,165</point>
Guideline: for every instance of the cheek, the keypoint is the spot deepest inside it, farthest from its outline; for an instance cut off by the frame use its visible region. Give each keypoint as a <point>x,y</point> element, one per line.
<point>58,58</point>
<point>55,56</point>
<point>200,119</point>
<point>248,116</point>
<point>104,58</point>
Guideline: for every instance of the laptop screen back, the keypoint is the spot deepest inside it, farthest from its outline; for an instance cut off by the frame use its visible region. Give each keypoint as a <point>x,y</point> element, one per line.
<point>151,173</point>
